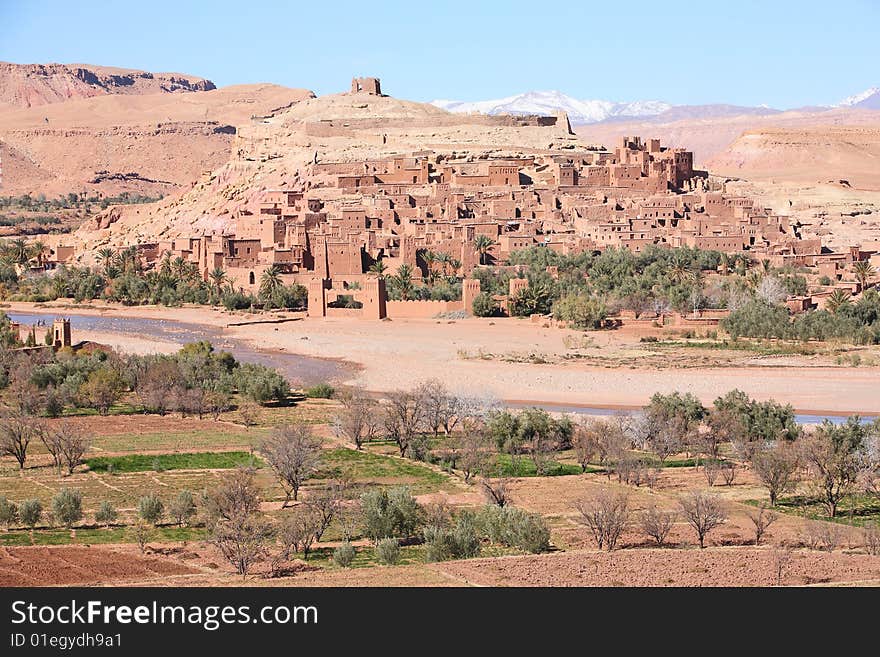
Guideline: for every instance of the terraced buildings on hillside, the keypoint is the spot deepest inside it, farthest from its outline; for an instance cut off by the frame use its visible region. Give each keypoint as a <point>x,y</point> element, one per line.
<point>344,216</point>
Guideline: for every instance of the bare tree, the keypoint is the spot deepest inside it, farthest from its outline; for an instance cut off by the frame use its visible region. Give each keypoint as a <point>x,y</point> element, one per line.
<point>613,440</point>
<point>711,469</point>
<point>657,523</point>
<point>776,467</point>
<point>16,434</point>
<point>242,540</point>
<point>326,504</point>
<point>819,535</point>
<point>497,491</point>
<point>404,418</point>
<point>781,562</point>
<point>586,441</point>
<point>237,494</point>
<point>249,415</point>
<point>52,442</point>
<point>358,419</point>
<point>471,447</point>
<point>871,537</point>
<point>298,532</point>
<point>703,512</point>
<point>723,426</point>
<point>232,514</point>
<point>666,436</point>
<point>442,408</point>
<point>761,518</point>
<point>71,444</point>
<point>728,472</point>
<point>607,516</point>
<point>294,453</point>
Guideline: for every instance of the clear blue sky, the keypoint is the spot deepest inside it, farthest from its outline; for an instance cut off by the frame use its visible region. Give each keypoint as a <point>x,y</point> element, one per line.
<point>784,53</point>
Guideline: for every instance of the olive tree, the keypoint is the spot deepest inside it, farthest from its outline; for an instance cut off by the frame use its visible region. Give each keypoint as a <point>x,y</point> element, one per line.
<point>67,506</point>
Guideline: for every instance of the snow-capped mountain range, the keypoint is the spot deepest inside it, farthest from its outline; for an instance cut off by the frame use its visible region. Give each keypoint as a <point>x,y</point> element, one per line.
<point>581,112</point>
<point>868,99</point>
<point>547,102</point>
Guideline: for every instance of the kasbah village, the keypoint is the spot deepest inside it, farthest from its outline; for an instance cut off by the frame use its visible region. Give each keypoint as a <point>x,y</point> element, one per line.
<point>384,344</point>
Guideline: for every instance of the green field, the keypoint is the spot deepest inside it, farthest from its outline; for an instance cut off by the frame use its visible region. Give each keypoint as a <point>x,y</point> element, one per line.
<point>367,467</point>
<point>95,536</point>
<point>180,461</point>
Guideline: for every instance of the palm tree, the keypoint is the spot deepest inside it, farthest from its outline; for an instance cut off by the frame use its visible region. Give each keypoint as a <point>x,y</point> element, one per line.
<point>129,259</point>
<point>217,278</point>
<point>863,270</point>
<point>837,300</point>
<point>430,258</point>
<point>38,249</point>
<point>178,267</point>
<point>165,265</point>
<point>378,269</point>
<point>443,258</point>
<point>679,271</point>
<point>724,264</point>
<point>19,251</point>
<point>106,257</point>
<point>270,282</point>
<point>482,244</point>
<point>454,266</point>
<point>403,281</point>
<point>753,280</point>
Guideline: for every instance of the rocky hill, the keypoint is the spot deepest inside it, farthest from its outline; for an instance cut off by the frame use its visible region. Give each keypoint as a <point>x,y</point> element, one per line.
<point>152,144</point>
<point>33,85</point>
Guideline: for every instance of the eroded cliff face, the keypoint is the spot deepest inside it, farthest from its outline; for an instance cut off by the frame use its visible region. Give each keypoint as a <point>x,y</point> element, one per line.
<point>33,85</point>
<point>153,144</point>
<point>809,154</point>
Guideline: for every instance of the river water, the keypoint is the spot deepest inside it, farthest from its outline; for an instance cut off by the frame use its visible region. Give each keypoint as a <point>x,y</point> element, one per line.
<point>299,370</point>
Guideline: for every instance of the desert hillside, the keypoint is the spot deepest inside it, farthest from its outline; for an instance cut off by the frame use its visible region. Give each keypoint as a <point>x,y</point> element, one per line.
<point>818,153</point>
<point>153,144</point>
<point>33,85</point>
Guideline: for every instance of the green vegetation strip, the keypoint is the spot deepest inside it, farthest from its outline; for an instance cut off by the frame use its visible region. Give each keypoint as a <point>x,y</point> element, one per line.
<point>96,536</point>
<point>181,461</point>
<point>366,465</point>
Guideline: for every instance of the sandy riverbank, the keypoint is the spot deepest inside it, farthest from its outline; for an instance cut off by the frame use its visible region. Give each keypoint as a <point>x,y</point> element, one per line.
<point>397,354</point>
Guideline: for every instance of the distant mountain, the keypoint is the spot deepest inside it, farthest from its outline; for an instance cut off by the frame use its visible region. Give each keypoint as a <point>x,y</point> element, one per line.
<point>868,99</point>
<point>547,102</point>
<point>583,112</point>
<point>32,85</point>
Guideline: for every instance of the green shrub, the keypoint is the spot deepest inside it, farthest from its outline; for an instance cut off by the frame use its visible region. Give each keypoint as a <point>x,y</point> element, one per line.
<point>580,311</point>
<point>106,513</point>
<point>514,527</point>
<point>344,555</point>
<point>151,508</point>
<point>390,513</point>
<point>461,541</point>
<point>8,512</point>
<point>320,391</point>
<point>30,511</point>
<point>183,507</point>
<point>484,305</point>
<point>67,506</point>
<point>388,551</point>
